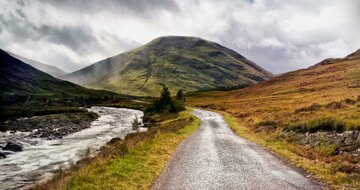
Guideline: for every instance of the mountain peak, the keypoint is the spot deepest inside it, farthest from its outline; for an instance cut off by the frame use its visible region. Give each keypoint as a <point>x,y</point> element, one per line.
<point>185,42</point>
<point>179,62</point>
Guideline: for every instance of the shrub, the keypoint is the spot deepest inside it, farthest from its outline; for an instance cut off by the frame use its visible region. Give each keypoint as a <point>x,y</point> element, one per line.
<point>322,124</point>
<point>267,123</point>
<point>335,105</point>
<point>325,124</point>
<point>136,124</point>
<point>312,107</point>
<point>349,101</point>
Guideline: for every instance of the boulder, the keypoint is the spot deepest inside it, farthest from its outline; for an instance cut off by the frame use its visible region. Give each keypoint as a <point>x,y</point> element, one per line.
<point>114,140</point>
<point>13,147</point>
<point>2,155</point>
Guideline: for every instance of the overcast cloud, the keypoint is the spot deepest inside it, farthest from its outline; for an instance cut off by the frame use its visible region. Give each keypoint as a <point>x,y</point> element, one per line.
<point>278,35</point>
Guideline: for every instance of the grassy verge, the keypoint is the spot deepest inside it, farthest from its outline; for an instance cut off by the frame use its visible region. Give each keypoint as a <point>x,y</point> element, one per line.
<point>134,163</point>
<point>321,170</point>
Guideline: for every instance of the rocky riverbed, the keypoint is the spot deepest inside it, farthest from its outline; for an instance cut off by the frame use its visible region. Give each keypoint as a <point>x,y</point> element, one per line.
<point>52,126</point>
<point>42,156</point>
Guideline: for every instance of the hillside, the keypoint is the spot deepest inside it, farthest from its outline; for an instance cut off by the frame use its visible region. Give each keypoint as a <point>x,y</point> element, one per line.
<point>186,63</point>
<point>18,78</point>
<point>52,70</point>
<point>309,116</point>
<point>322,83</point>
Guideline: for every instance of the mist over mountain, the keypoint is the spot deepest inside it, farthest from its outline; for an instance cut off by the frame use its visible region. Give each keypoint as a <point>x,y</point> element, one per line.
<point>186,63</point>
<point>52,70</point>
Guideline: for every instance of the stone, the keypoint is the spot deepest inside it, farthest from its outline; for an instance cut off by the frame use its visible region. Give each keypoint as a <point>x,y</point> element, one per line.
<point>2,155</point>
<point>13,147</point>
<point>114,140</point>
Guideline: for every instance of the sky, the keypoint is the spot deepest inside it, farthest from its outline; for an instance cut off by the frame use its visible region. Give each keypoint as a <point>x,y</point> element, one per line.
<point>278,35</point>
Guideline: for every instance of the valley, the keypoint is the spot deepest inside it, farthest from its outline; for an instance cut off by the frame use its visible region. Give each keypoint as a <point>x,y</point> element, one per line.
<point>179,95</point>
<point>57,133</point>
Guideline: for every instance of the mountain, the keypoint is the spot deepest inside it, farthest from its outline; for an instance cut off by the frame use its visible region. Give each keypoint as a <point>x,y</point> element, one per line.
<point>52,70</point>
<point>186,63</point>
<point>19,78</point>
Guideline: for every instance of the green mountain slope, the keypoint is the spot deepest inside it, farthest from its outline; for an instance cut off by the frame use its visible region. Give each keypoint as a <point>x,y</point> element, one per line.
<point>186,63</point>
<point>18,78</point>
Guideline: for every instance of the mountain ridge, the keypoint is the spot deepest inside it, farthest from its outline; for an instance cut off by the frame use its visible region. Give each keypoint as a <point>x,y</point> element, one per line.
<point>19,78</point>
<point>50,69</point>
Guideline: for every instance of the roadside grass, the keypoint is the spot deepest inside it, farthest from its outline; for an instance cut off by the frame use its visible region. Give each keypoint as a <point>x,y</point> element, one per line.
<point>325,171</point>
<point>134,163</point>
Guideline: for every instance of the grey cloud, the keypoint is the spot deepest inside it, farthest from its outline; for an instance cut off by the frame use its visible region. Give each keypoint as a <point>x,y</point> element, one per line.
<point>76,38</point>
<point>85,40</point>
<point>136,7</point>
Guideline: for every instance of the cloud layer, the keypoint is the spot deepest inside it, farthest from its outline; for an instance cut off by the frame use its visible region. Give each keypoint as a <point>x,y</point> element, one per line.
<point>280,36</point>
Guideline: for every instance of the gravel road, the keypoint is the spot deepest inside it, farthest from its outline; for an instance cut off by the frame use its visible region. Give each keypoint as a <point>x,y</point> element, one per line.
<point>215,158</point>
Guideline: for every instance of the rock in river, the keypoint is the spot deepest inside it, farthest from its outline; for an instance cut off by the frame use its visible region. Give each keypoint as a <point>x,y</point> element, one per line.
<point>13,147</point>
<point>2,155</point>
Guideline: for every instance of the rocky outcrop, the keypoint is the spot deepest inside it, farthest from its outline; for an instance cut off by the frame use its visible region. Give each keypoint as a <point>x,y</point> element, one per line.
<point>348,141</point>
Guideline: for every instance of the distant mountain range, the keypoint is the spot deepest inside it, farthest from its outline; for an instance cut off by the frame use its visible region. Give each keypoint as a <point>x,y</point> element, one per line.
<point>52,70</point>
<point>19,78</point>
<point>186,63</point>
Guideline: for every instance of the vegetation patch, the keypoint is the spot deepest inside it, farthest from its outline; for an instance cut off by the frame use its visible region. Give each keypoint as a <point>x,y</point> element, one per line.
<point>322,124</point>
<point>313,107</point>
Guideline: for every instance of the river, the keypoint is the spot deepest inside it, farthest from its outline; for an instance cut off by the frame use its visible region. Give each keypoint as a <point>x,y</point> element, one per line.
<point>40,158</point>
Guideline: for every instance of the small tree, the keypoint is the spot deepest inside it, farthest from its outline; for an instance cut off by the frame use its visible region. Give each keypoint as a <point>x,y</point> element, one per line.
<point>180,96</point>
<point>165,104</point>
<point>179,101</point>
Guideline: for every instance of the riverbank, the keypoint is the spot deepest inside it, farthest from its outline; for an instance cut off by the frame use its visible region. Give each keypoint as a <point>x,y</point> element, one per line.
<point>133,163</point>
<point>52,126</point>
<point>41,158</point>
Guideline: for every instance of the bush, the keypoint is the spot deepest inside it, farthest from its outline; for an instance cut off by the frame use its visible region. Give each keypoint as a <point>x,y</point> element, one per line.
<point>335,105</point>
<point>349,101</point>
<point>266,123</point>
<point>322,124</point>
<point>313,107</point>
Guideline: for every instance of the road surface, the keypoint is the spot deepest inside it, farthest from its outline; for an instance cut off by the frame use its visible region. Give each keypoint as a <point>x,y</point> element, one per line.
<point>215,158</point>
